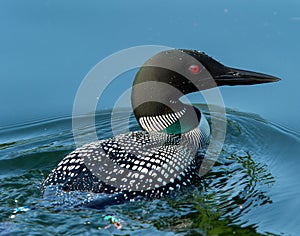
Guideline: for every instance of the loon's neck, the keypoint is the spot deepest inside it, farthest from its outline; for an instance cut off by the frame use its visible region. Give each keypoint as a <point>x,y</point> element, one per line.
<point>155,101</point>
<point>163,112</point>
<point>189,120</point>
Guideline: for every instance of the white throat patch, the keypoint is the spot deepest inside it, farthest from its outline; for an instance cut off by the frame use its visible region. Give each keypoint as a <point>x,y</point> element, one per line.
<point>160,122</point>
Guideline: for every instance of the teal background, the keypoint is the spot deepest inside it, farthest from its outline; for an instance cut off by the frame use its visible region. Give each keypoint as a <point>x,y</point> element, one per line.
<point>47,47</point>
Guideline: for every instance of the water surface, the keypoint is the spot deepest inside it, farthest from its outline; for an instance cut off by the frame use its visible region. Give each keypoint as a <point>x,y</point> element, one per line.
<point>252,189</point>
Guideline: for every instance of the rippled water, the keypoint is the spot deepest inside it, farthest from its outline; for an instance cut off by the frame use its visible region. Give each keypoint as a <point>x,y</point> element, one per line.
<point>252,189</point>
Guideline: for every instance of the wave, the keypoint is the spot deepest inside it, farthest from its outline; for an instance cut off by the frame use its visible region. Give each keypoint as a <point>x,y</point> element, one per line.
<point>251,188</point>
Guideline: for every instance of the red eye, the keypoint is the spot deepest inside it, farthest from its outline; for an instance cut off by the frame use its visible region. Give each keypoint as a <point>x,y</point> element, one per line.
<point>194,69</point>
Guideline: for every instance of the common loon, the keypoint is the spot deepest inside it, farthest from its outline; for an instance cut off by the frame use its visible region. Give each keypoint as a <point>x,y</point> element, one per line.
<point>163,157</point>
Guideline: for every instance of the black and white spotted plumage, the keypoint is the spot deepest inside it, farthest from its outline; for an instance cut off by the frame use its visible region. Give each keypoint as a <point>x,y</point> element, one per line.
<point>159,155</point>
<point>154,162</point>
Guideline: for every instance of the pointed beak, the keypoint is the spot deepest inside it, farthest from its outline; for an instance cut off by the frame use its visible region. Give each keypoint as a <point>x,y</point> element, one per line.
<point>234,76</point>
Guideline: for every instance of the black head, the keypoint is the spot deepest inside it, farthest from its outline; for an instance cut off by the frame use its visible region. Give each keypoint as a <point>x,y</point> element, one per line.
<point>169,75</point>
<point>190,71</point>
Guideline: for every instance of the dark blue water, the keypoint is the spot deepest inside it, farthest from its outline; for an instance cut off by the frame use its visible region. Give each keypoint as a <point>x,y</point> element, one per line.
<point>251,189</point>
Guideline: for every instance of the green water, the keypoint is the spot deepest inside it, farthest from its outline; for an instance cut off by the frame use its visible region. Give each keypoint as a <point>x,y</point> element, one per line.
<point>251,190</point>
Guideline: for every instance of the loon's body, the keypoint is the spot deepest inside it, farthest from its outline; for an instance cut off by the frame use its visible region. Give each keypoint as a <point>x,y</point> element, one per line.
<point>162,157</point>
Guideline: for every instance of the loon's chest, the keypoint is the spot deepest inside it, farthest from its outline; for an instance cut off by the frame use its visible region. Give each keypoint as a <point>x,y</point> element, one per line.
<point>135,164</point>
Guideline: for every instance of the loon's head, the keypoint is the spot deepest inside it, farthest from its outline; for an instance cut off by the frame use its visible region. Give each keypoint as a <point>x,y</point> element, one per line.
<point>169,75</point>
